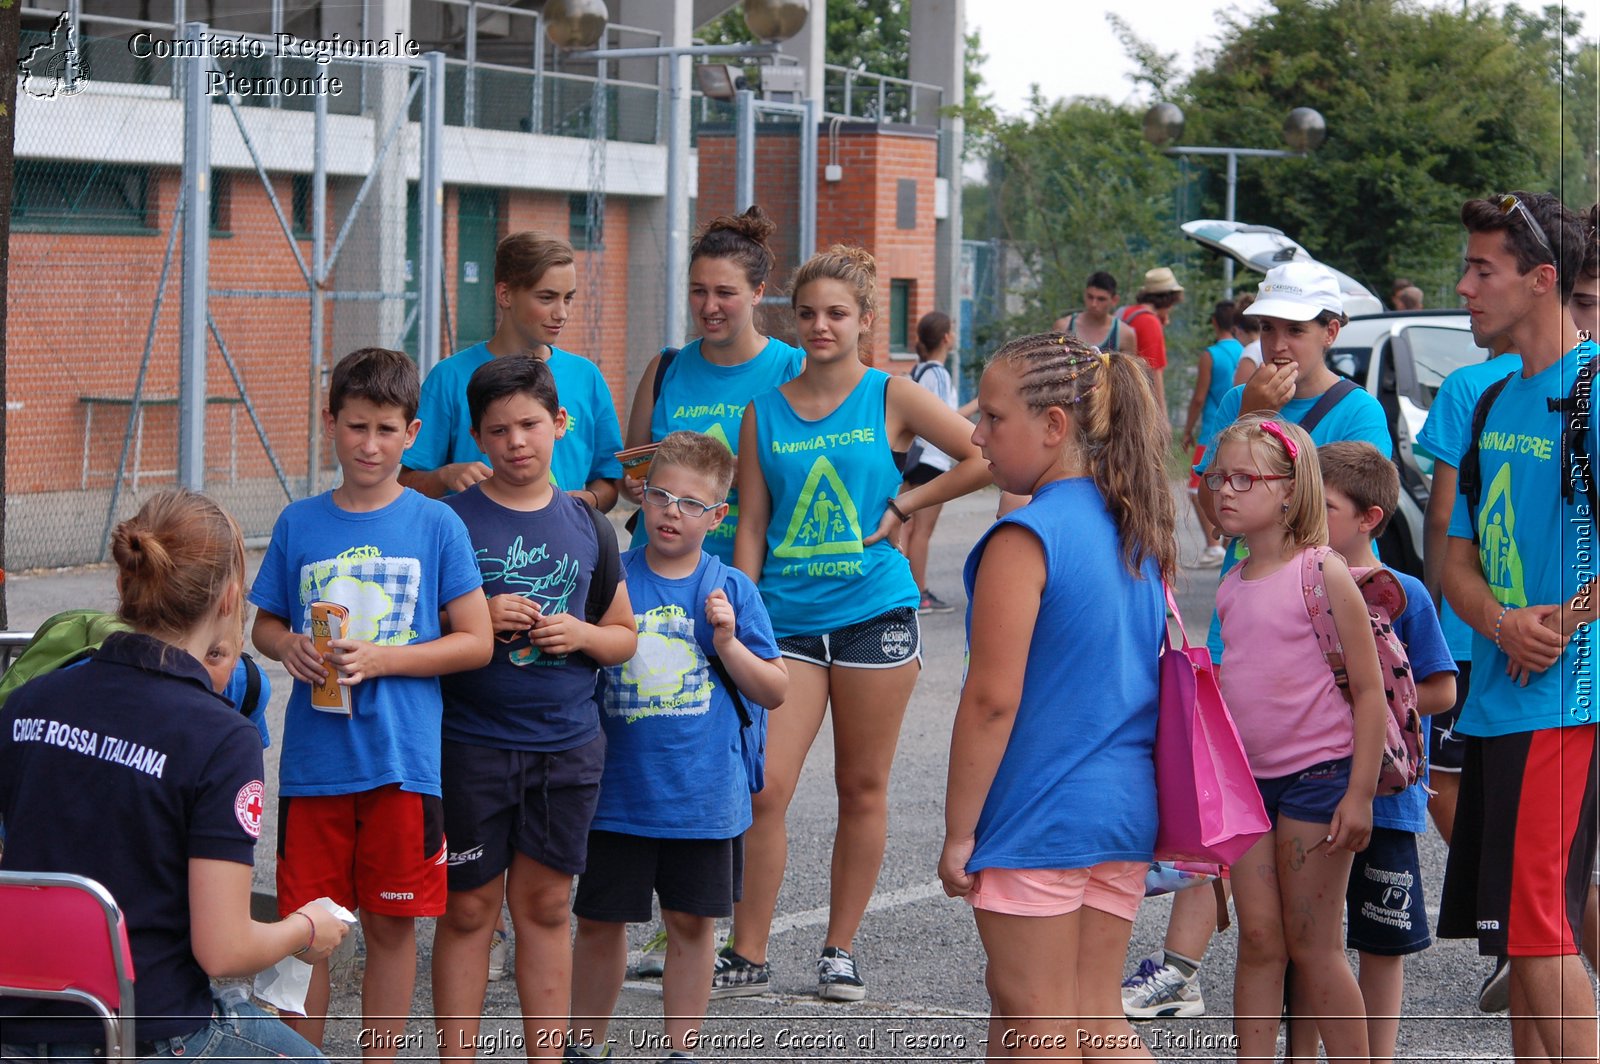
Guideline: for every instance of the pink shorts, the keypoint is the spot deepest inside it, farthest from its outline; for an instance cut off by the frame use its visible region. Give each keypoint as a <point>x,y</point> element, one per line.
<point>1114,887</point>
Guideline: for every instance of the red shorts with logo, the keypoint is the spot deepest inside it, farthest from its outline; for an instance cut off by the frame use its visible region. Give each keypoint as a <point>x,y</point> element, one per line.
<point>381,850</point>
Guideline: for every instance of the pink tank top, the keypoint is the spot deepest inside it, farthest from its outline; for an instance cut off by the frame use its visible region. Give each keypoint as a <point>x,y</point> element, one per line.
<point>1275,680</point>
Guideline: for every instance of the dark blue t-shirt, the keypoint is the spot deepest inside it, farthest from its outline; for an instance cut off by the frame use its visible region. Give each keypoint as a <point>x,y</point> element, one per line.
<point>524,699</point>
<point>123,770</point>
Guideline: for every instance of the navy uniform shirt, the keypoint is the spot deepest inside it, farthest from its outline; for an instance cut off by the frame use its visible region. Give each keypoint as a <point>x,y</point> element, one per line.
<point>123,770</point>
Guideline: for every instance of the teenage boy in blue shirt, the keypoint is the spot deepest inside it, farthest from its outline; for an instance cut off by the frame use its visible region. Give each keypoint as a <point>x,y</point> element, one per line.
<point>360,812</point>
<point>675,798</point>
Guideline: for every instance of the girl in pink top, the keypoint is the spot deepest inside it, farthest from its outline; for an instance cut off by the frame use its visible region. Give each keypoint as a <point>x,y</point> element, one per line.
<point>1315,761</point>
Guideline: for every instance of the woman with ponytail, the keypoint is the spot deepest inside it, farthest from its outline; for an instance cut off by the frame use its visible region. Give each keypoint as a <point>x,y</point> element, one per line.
<point>1049,821</point>
<point>131,770</point>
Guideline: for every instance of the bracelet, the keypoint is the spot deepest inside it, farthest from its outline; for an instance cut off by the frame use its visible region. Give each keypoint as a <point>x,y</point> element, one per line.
<point>1503,611</point>
<point>898,512</point>
<point>313,942</point>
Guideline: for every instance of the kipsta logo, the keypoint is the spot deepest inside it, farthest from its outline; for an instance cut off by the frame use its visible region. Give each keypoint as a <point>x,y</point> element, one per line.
<point>57,67</point>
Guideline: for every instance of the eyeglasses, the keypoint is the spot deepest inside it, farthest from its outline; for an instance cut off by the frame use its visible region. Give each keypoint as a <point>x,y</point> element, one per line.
<point>1508,203</point>
<point>661,498</point>
<point>1241,482</point>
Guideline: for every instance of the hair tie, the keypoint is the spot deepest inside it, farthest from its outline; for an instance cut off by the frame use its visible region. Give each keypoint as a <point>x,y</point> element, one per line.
<point>1273,429</point>
<point>1103,356</point>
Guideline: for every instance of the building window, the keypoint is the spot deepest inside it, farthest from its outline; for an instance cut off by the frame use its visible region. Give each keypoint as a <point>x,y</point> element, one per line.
<point>221,202</point>
<point>900,314</point>
<point>80,196</point>
<point>300,204</point>
<point>578,224</point>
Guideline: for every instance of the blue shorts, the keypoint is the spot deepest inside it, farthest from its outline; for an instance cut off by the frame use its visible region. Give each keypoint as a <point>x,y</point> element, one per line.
<point>1311,794</point>
<point>1387,915</point>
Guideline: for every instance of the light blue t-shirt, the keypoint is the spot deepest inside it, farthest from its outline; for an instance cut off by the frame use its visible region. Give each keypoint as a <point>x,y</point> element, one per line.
<point>587,452</point>
<point>1418,628</point>
<point>1535,549</point>
<point>1358,416</point>
<point>1224,361</point>
<point>1444,436</point>
<point>699,396</point>
<point>1075,784</point>
<point>673,766</point>
<point>830,481</point>
<point>394,569</point>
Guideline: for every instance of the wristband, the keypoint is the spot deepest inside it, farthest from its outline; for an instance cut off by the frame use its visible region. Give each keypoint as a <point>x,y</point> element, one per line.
<point>897,512</point>
<point>313,942</point>
<point>1497,621</point>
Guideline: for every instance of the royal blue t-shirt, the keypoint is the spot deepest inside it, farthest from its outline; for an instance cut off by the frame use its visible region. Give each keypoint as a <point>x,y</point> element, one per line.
<point>525,699</point>
<point>1445,436</point>
<point>394,568</point>
<point>588,450</point>
<point>673,767</point>
<point>1076,783</point>
<point>1535,549</point>
<point>1358,416</point>
<point>124,769</point>
<point>1429,654</point>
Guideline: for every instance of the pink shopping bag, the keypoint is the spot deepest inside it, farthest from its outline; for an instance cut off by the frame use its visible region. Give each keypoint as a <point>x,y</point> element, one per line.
<point>1209,807</point>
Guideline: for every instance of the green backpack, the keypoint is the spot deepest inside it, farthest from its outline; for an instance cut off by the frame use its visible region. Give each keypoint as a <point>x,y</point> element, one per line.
<point>58,642</point>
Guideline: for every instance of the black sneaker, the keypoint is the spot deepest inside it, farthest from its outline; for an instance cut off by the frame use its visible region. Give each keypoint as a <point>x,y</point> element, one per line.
<point>735,976</point>
<point>838,978</point>
<point>932,603</point>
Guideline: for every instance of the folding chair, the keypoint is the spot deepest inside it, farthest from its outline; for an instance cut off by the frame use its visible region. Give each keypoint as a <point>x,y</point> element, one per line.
<point>62,938</point>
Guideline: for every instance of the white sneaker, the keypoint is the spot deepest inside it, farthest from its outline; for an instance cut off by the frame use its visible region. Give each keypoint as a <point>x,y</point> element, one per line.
<point>1211,557</point>
<point>498,949</point>
<point>1157,989</point>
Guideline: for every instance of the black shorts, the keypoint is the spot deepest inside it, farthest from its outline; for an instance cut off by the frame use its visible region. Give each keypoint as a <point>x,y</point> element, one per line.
<point>701,877</point>
<point>1523,849</point>
<point>1387,915</point>
<point>1445,744</point>
<point>538,804</point>
<point>921,473</point>
<point>886,641</point>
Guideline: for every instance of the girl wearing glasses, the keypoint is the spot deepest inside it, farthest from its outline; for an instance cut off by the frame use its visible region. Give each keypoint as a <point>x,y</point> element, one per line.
<point>1315,757</point>
<point>817,531</point>
<point>1048,819</point>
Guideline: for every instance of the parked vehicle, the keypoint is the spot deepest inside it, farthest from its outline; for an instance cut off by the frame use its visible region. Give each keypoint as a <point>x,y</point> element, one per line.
<point>1401,357</point>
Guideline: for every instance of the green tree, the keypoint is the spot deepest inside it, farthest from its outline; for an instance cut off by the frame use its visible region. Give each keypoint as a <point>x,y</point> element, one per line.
<point>1426,107</point>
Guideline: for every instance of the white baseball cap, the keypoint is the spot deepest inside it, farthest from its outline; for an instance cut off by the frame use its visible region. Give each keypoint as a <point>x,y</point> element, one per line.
<point>1297,291</point>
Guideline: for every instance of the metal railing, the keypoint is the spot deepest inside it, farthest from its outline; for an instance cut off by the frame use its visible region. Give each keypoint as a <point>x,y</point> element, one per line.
<point>860,95</point>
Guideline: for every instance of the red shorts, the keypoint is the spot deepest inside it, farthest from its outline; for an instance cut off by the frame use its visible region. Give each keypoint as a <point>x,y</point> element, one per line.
<point>1524,844</point>
<point>381,850</point>
<point>1115,887</point>
<point>1194,460</point>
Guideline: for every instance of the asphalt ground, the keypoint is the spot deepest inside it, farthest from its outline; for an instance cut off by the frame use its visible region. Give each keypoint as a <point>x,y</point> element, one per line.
<point>919,951</point>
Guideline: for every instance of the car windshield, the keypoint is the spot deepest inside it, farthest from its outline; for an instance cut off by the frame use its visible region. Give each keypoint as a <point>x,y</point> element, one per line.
<point>1438,352</point>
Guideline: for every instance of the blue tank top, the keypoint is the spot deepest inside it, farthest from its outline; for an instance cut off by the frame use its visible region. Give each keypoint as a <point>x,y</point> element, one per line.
<point>1076,783</point>
<point>699,396</point>
<point>830,481</point>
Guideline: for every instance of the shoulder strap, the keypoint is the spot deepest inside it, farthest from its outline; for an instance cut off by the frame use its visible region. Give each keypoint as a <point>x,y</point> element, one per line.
<point>712,577</point>
<point>1469,475</point>
<point>662,362</point>
<point>1575,456</point>
<point>920,370</point>
<point>252,684</point>
<point>1314,585</point>
<point>608,567</point>
<point>1329,400</point>
<point>1130,314</point>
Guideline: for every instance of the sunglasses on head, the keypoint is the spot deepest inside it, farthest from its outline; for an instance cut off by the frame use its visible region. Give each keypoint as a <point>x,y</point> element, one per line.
<point>1509,203</point>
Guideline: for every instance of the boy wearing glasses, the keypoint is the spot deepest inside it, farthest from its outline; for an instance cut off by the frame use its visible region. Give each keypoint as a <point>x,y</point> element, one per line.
<point>675,798</point>
<point>1519,569</point>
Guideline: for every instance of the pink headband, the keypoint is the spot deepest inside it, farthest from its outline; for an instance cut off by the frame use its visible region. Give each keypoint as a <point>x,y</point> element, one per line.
<point>1272,428</point>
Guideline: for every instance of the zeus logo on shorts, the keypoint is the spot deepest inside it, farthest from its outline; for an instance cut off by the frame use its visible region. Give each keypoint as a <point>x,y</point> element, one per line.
<point>465,857</point>
<point>393,895</point>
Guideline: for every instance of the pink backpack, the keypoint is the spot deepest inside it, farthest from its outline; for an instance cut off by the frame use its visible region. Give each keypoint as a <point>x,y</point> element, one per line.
<point>1405,754</point>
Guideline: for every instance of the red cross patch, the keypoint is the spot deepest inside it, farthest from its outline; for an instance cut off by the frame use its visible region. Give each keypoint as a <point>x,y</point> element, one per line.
<point>247,807</point>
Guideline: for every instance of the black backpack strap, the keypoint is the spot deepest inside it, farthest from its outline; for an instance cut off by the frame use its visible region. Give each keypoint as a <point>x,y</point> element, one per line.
<point>732,688</point>
<point>607,569</point>
<point>1329,400</point>
<point>662,362</point>
<point>1469,475</point>
<point>252,684</point>
<point>1575,422</point>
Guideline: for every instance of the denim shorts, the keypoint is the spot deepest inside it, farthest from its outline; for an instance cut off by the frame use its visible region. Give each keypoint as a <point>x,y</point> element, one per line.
<point>1311,794</point>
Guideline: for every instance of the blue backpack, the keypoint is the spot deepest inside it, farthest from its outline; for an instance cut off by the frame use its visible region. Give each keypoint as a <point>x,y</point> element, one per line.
<point>752,717</point>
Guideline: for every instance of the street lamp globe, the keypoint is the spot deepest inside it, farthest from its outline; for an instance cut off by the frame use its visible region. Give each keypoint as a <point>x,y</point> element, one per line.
<point>1304,130</point>
<point>575,23</point>
<point>775,20</point>
<point>1163,124</point>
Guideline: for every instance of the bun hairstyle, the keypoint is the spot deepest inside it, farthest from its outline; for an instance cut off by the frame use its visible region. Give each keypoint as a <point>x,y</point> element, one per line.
<point>175,559</point>
<point>843,262</point>
<point>741,238</point>
<point>1120,430</point>
<point>1307,516</point>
